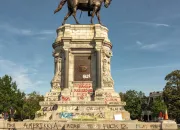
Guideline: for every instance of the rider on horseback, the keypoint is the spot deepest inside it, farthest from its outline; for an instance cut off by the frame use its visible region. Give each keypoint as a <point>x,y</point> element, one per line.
<point>92,6</point>
<point>61,4</point>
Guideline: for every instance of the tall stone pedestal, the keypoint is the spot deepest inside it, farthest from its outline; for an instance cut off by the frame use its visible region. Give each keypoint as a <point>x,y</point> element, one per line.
<point>82,87</point>
<point>82,95</point>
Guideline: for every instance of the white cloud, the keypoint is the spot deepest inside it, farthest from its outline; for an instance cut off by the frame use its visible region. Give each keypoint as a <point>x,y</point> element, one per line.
<point>21,31</point>
<point>151,67</point>
<point>151,24</point>
<point>165,25</point>
<point>149,46</point>
<point>12,29</point>
<point>139,43</point>
<point>47,32</point>
<point>153,46</point>
<point>21,74</point>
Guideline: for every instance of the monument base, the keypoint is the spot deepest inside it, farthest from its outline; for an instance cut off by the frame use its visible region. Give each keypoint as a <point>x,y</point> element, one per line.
<point>82,111</point>
<point>88,125</point>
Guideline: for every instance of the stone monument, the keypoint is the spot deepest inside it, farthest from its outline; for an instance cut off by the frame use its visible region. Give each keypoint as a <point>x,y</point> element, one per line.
<point>82,87</point>
<point>82,95</point>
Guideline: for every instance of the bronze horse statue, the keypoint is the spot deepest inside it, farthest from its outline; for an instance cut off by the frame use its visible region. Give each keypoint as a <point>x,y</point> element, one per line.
<point>92,6</point>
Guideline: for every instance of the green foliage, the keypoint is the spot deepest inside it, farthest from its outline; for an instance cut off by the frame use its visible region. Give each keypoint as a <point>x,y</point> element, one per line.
<point>158,105</point>
<point>171,94</point>
<point>31,105</point>
<point>135,102</point>
<point>10,96</point>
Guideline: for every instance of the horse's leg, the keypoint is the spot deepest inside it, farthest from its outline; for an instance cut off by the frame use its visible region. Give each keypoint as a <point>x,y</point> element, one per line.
<point>93,13</point>
<point>98,16</point>
<point>74,15</point>
<point>66,17</point>
<point>89,13</point>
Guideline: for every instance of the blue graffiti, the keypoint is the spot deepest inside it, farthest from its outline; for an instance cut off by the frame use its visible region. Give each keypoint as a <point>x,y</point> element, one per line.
<point>66,115</point>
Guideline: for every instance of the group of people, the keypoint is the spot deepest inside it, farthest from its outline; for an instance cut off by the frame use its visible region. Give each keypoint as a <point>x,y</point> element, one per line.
<point>8,116</point>
<point>5,115</point>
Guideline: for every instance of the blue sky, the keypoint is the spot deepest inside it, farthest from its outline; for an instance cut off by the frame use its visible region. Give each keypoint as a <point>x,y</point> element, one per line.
<point>145,35</point>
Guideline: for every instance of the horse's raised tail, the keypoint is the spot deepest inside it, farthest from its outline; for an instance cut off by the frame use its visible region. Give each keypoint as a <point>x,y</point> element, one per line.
<point>61,4</point>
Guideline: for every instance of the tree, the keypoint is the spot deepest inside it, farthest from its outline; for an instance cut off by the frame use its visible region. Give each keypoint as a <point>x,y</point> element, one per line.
<point>171,94</point>
<point>134,102</point>
<point>10,95</point>
<point>31,105</point>
<point>158,105</point>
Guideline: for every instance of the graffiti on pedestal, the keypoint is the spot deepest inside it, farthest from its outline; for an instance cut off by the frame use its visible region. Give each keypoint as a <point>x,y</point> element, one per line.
<point>53,94</point>
<point>141,126</point>
<point>115,126</point>
<point>91,126</point>
<point>86,76</point>
<point>66,115</point>
<point>47,108</point>
<point>51,126</point>
<point>72,126</point>
<point>51,98</point>
<point>82,115</point>
<point>155,126</point>
<point>65,99</point>
<point>110,99</point>
<point>108,94</point>
<point>82,85</point>
<point>95,108</point>
<point>115,108</point>
<point>67,108</point>
<point>11,125</point>
<point>82,90</point>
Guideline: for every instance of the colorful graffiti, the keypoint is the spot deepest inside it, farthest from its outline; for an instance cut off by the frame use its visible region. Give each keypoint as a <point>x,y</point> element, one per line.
<point>66,115</point>
<point>52,126</point>
<point>82,85</point>
<point>110,99</point>
<point>83,90</point>
<point>65,99</point>
<point>82,115</point>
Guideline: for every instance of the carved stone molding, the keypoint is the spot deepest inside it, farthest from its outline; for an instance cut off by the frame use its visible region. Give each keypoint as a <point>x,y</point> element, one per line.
<point>107,78</point>
<point>108,44</point>
<point>56,81</point>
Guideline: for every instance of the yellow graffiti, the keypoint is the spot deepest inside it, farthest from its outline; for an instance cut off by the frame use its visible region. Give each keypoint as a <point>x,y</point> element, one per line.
<point>84,117</point>
<point>60,109</point>
<point>97,116</point>
<point>39,113</point>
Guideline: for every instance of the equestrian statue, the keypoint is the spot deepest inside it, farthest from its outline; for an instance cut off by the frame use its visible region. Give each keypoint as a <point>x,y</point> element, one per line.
<point>92,6</point>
